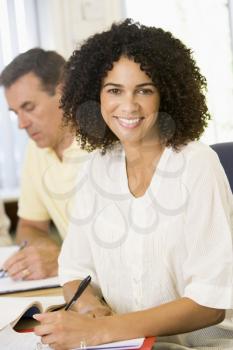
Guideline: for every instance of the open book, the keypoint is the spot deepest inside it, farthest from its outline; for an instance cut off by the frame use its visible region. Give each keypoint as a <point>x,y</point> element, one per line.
<point>14,309</point>
<point>23,308</point>
<point>7,285</point>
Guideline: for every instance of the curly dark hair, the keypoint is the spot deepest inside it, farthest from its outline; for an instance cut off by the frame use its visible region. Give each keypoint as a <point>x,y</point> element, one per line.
<point>183,112</point>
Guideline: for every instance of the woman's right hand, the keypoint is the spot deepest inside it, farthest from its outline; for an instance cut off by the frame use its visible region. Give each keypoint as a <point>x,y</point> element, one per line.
<point>94,308</point>
<point>89,303</point>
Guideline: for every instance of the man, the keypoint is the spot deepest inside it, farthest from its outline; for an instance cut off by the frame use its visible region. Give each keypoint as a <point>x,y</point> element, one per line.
<point>32,85</point>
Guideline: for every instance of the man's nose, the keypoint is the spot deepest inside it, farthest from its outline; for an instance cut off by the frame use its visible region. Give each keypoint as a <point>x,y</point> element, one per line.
<point>23,120</point>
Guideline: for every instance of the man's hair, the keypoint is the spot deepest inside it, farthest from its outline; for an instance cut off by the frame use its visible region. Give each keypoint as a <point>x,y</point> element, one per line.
<point>46,65</point>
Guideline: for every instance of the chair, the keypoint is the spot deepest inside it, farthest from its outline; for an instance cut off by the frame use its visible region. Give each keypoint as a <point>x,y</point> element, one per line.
<point>225,154</point>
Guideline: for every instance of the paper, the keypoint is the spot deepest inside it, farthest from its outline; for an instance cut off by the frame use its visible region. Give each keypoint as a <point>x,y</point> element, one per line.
<point>119,345</point>
<point>11,340</point>
<point>7,285</point>
<point>12,308</point>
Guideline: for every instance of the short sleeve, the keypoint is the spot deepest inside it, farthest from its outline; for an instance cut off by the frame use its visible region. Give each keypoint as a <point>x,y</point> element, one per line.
<point>30,205</point>
<point>208,267</point>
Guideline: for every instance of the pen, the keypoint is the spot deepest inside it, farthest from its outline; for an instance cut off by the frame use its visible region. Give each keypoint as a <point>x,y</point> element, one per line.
<point>21,246</point>
<point>83,285</point>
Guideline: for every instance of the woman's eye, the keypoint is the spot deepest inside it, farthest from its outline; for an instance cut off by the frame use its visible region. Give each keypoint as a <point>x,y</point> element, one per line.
<point>145,91</point>
<point>114,91</point>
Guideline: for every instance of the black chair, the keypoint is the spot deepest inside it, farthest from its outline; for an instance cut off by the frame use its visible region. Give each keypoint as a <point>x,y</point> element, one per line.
<point>225,154</point>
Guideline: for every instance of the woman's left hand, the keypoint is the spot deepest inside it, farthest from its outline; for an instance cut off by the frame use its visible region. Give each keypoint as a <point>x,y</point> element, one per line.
<point>63,330</point>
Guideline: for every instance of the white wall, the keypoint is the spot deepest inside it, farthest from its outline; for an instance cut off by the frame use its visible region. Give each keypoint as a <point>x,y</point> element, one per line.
<point>68,22</point>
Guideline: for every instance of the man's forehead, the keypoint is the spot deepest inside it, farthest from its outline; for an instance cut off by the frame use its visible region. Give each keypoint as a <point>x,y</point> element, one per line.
<point>29,79</point>
<point>25,89</point>
<point>28,85</point>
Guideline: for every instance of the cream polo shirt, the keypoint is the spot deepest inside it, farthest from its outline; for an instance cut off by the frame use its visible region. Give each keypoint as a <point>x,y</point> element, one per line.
<point>49,185</point>
<point>5,238</point>
<point>175,241</point>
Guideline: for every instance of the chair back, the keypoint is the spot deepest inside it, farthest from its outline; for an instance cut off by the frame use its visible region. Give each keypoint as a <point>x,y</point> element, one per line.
<point>225,154</point>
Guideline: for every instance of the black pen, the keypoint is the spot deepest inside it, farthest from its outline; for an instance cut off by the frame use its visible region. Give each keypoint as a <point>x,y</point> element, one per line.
<point>83,285</point>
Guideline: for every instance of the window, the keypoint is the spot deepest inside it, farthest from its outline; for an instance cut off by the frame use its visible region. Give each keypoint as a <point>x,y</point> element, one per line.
<point>18,33</point>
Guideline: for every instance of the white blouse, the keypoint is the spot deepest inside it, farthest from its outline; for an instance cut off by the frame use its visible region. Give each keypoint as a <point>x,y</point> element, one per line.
<point>175,241</point>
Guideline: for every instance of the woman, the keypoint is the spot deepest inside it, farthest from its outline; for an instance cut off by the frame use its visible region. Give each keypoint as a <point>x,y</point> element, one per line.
<point>153,219</point>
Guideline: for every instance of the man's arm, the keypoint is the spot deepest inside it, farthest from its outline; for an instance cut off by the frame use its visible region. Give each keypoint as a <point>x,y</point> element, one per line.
<point>39,258</point>
<point>31,231</point>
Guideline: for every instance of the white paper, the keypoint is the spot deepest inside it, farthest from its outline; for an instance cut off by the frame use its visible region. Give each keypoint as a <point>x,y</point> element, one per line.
<point>119,345</point>
<point>11,308</point>
<point>7,285</point>
<point>11,340</point>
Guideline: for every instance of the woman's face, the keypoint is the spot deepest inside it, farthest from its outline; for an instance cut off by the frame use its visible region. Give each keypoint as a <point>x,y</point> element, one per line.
<point>130,102</point>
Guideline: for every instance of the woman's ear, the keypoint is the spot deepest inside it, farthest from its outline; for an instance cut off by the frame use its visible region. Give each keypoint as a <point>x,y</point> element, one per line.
<point>58,89</point>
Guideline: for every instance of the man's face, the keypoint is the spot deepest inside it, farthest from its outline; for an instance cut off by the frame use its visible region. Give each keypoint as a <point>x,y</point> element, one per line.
<point>37,111</point>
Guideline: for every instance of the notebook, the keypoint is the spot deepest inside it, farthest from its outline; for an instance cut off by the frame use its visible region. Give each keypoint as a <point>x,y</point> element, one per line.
<point>138,343</point>
<point>11,340</point>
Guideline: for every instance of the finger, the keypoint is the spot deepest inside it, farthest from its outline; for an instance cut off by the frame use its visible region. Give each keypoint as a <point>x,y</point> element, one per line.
<point>33,273</point>
<point>44,329</point>
<point>16,271</point>
<point>49,339</point>
<point>46,317</point>
<point>15,258</point>
<point>55,346</point>
<point>26,274</point>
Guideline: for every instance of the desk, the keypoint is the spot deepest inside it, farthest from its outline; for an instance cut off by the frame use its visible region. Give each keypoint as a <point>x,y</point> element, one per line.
<point>34,293</point>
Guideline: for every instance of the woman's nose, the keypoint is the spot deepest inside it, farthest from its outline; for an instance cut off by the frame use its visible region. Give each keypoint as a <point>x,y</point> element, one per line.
<point>129,104</point>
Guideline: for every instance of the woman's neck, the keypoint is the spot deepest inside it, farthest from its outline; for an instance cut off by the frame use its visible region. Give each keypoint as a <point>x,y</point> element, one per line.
<point>139,156</point>
<point>141,163</point>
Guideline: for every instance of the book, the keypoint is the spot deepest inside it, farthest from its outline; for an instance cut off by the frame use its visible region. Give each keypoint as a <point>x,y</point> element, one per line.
<point>7,285</point>
<point>13,309</point>
<point>16,314</point>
